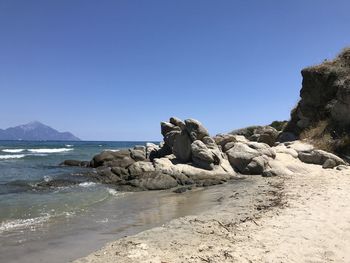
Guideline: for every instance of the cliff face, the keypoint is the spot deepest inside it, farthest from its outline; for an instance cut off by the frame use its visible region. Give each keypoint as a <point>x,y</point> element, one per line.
<point>325,97</point>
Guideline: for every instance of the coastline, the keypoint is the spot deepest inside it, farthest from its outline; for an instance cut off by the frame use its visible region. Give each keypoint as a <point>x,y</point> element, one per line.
<point>304,219</point>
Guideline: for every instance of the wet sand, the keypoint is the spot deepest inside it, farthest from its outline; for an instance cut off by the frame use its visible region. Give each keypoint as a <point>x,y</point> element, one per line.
<point>302,217</point>
<point>129,214</point>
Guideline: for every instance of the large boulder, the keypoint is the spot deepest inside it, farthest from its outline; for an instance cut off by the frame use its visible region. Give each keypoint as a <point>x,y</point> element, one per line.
<point>195,129</point>
<point>250,158</point>
<point>182,147</point>
<point>201,155</point>
<point>266,134</point>
<point>154,181</point>
<point>168,127</point>
<point>139,168</point>
<point>320,157</point>
<point>120,158</point>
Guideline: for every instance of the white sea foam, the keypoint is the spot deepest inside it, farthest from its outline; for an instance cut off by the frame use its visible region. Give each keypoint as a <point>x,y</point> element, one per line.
<point>113,192</point>
<point>13,150</point>
<point>11,156</point>
<point>22,223</point>
<point>57,150</point>
<point>87,184</point>
<point>69,145</point>
<point>111,150</point>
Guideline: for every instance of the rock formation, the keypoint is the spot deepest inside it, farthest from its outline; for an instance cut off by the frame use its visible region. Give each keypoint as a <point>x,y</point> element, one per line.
<point>325,97</point>
<point>189,156</point>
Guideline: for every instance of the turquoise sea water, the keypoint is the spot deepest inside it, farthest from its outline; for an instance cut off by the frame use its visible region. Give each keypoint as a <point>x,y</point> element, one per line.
<point>25,167</point>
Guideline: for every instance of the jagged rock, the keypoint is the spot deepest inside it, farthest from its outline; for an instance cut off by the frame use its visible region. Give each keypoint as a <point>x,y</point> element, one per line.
<point>201,155</point>
<point>182,147</point>
<point>195,129</point>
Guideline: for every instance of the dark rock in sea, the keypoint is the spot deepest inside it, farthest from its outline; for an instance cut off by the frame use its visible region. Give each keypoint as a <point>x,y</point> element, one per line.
<point>181,190</point>
<point>55,183</point>
<point>75,163</point>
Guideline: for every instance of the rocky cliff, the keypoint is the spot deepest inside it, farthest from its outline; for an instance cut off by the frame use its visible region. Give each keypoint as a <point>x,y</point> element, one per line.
<point>324,107</point>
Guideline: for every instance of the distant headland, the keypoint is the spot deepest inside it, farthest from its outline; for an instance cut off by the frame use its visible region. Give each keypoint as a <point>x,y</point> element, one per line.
<point>35,131</point>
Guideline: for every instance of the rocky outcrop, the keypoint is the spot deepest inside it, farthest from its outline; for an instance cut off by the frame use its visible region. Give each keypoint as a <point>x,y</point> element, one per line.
<point>188,157</point>
<point>325,97</point>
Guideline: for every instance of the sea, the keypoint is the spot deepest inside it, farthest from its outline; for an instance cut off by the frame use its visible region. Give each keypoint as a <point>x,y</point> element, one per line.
<point>44,222</point>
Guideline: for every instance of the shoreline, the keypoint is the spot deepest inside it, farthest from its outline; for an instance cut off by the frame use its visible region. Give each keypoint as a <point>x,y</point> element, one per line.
<point>312,226</point>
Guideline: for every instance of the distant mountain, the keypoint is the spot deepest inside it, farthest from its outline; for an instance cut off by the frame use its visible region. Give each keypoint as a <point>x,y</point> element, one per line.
<point>35,131</point>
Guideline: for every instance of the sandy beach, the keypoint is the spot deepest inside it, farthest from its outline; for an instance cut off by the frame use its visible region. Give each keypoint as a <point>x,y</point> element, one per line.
<point>302,216</point>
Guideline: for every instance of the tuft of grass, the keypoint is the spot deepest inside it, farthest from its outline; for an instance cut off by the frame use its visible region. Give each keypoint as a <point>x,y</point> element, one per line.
<point>319,136</point>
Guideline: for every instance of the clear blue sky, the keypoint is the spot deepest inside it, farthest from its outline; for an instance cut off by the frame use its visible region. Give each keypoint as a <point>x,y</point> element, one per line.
<point>112,70</point>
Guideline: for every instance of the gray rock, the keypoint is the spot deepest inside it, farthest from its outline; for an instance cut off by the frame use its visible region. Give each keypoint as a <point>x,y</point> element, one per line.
<point>201,155</point>
<point>139,168</point>
<point>120,158</point>
<point>154,181</point>
<point>106,176</point>
<point>286,137</point>
<point>75,163</point>
<point>223,139</point>
<point>169,138</point>
<point>228,146</point>
<point>195,129</point>
<point>138,155</point>
<point>319,157</point>
<point>182,147</point>
<point>256,165</point>
<point>329,164</point>
<point>266,134</point>
<point>240,156</point>
<point>168,127</point>
<point>122,173</point>
<point>177,122</point>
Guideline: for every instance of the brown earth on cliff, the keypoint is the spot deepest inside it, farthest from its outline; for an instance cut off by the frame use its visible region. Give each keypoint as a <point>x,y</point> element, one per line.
<point>323,113</point>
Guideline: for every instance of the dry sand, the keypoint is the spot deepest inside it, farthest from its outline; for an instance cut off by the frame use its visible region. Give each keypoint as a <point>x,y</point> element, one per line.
<point>303,217</point>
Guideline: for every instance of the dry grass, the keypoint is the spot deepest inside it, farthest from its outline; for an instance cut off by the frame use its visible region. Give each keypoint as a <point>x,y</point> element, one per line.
<point>319,136</point>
